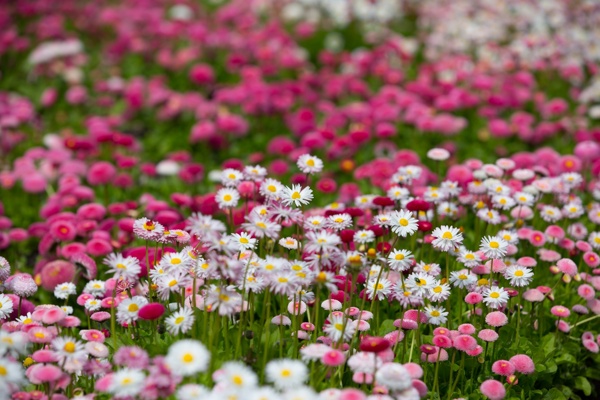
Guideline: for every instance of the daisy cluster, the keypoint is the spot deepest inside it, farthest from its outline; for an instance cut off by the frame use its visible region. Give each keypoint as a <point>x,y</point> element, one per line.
<point>333,200</point>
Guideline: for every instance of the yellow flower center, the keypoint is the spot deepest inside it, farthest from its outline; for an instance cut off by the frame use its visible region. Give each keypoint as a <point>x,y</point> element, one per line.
<point>310,162</point>
<point>133,307</point>
<point>121,266</point>
<point>237,380</point>
<point>399,257</point>
<point>435,313</point>
<point>173,282</point>
<point>437,289</point>
<point>403,222</point>
<point>295,195</point>
<point>69,347</point>
<point>494,295</point>
<point>188,358</point>
<point>447,235</point>
<point>286,373</point>
<point>271,188</point>
<point>175,261</point>
<point>518,273</point>
<point>243,240</point>
<point>224,297</point>
<point>339,327</point>
<point>179,320</point>
<point>261,225</point>
<point>227,197</point>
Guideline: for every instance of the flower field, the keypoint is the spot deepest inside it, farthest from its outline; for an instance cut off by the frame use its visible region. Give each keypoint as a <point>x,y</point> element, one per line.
<point>299,199</point>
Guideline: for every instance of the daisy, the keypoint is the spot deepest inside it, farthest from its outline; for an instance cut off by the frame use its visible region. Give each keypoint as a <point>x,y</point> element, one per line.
<point>127,382</point>
<point>594,240</point>
<point>11,376</point>
<point>518,276</point>
<point>364,202</point>
<point>187,357</point>
<point>296,195</point>
<point>495,297</point>
<point>403,223</point>
<point>6,306</point>
<point>64,290</point>
<point>508,235</point>
<point>447,209</point>
<point>172,282</point>
<point>451,188</point>
<point>336,330</point>
<point>397,193</point>
<point>236,375</point>
<point>286,373</point>
<point>289,243</point>
<point>226,300</point>
<point>469,258</point>
<point>176,261</point>
<point>68,349</point>
<point>243,241</point>
<point>271,189</point>
<point>380,288</point>
<point>231,177</point>
<point>503,202</point>
<point>446,238</point>
<point>572,210</point>
<point>95,288</point>
<point>436,315</point>
<point>339,222</point>
<point>439,292</point>
<point>523,199</point>
<point>314,223</point>
<point>227,198</point>
<point>260,226</point>
<point>147,229</point>
<point>463,278</point>
<point>407,298</point>
<point>432,269</point>
<point>364,236</point>
<point>490,216</point>
<point>550,214</point>
<point>309,164</point>
<point>180,321</point>
<point>321,241</point>
<point>419,283</point>
<point>255,173</point>
<point>92,305</point>
<point>204,226</point>
<point>400,260</point>
<point>123,267</point>
<point>382,220</point>
<point>127,310</point>
<point>284,282</point>
<point>493,247</point>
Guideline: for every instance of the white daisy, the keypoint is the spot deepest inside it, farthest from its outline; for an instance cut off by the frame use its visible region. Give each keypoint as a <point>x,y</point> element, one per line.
<point>446,238</point>
<point>400,260</point>
<point>493,247</point>
<point>187,357</point>
<point>403,223</point>
<point>495,297</point>
<point>127,382</point>
<point>518,276</point>
<point>296,195</point>
<point>227,198</point>
<point>436,315</point>
<point>286,373</point>
<point>309,164</point>
<point>181,320</point>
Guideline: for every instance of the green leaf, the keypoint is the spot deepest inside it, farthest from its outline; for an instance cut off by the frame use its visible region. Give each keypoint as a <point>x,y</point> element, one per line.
<point>554,394</point>
<point>584,385</point>
<point>565,358</point>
